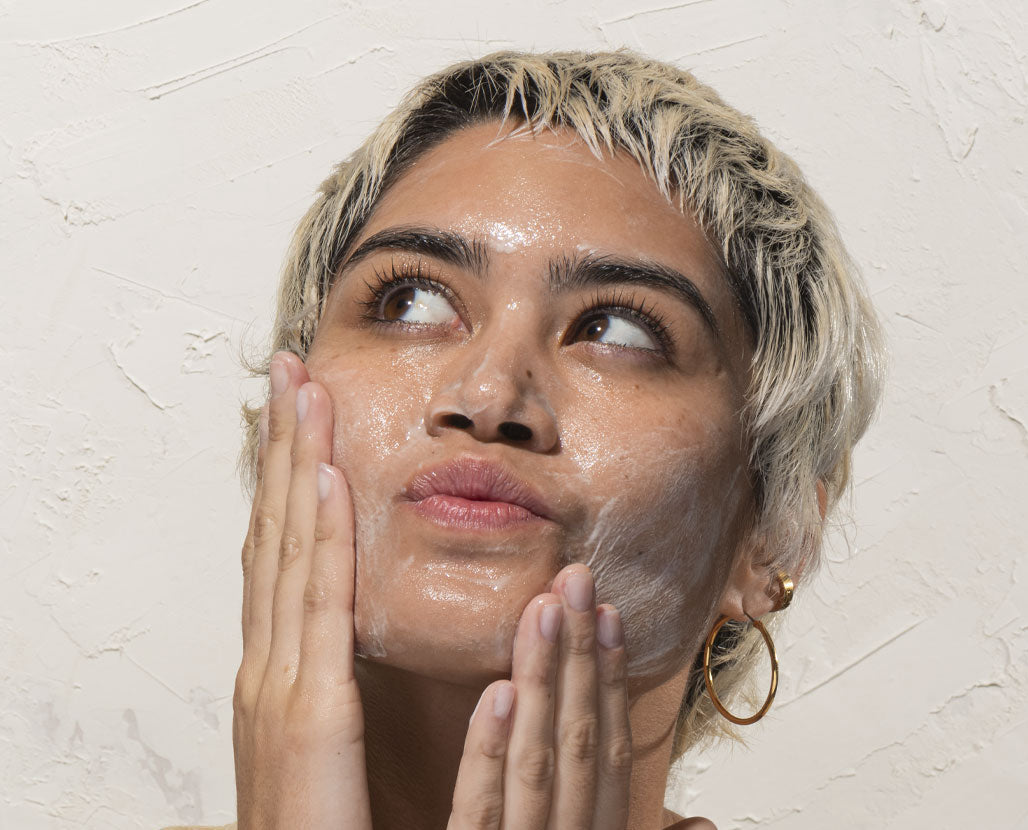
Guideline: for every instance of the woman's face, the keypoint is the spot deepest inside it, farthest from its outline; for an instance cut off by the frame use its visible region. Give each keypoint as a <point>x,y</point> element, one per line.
<point>531,315</point>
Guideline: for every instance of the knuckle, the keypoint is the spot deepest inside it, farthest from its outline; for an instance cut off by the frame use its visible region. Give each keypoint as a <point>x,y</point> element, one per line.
<point>481,810</point>
<point>534,768</point>
<point>246,558</point>
<point>278,430</point>
<point>265,526</point>
<point>616,758</point>
<point>580,644</point>
<point>289,550</point>
<point>322,529</point>
<point>242,703</point>
<point>494,749</point>
<point>244,693</point>
<point>615,672</point>
<point>317,595</point>
<point>579,740</point>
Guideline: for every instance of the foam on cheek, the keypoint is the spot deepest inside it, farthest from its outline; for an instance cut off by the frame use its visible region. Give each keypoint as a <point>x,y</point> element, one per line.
<point>372,425</point>
<point>656,542</point>
<point>648,515</point>
<point>371,617</point>
<point>380,439</point>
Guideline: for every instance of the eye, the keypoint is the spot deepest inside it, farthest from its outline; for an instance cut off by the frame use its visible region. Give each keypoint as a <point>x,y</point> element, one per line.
<point>407,294</point>
<point>417,304</point>
<point>612,329</point>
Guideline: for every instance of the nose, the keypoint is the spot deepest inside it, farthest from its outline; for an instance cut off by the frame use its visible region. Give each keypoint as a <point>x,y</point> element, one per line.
<point>492,394</point>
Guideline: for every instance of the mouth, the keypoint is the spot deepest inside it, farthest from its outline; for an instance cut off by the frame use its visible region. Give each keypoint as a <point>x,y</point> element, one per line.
<point>475,494</point>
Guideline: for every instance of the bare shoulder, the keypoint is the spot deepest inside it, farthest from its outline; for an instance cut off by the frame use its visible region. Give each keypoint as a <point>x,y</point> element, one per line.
<point>231,826</point>
<point>679,823</point>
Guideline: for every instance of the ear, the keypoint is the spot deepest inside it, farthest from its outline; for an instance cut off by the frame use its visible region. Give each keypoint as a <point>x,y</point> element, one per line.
<point>752,588</point>
<point>822,498</point>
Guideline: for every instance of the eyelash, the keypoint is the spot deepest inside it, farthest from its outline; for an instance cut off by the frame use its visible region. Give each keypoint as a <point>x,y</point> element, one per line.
<point>396,276</point>
<point>619,301</point>
<point>615,301</point>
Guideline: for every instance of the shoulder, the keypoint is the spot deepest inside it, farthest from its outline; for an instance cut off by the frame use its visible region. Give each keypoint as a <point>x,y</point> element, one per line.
<point>679,823</point>
<point>231,826</point>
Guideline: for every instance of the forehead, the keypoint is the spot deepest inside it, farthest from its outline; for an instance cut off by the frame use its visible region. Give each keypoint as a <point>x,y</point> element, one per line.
<point>549,184</point>
<point>539,195</point>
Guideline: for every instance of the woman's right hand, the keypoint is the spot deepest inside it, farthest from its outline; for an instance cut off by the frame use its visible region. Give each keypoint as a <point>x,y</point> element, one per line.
<point>298,725</point>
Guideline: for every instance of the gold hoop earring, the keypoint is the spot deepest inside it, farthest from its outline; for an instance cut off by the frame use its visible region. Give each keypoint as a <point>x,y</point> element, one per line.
<point>708,675</point>
<point>785,589</point>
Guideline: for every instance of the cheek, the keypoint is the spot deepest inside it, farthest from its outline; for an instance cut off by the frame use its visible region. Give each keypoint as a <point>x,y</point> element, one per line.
<point>375,429</point>
<point>666,513</point>
<point>372,420</point>
<point>664,563</point>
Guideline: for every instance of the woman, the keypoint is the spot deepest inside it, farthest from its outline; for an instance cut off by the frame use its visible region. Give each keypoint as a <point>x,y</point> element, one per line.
<point>569,365</point>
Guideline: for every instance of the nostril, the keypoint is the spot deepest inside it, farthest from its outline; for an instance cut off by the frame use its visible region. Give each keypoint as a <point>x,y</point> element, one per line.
<point>514,431</point>
<point>457,420</point>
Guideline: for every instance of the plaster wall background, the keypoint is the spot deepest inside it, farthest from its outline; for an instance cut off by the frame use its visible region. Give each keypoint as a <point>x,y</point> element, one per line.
<point>154,158</point>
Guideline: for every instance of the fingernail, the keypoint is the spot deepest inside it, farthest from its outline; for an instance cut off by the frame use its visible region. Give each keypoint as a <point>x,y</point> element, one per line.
<point>324,481</point>
<point>503,699</point>
<point>578,588</point>
<point>549,621</point>
<point>279,376</point>
<point>303,403</point>
<point>608,628</point>
<point>262,426</point>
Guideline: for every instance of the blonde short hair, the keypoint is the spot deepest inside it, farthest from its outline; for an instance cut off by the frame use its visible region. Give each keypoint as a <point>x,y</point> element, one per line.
<point>816,367</point>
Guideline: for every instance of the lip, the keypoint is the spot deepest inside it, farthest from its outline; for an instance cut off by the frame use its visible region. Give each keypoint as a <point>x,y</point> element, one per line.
<point>475,493</point>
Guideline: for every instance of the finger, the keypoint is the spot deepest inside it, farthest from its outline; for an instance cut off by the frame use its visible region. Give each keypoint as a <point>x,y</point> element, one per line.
<point>528,777</point>
<point>248,550</point>
<point>312,444</point>
<point>287,373</point>
<point>614,759</point>
<point>478,795</point>
<point>576,723</point>
<point>326,643</point>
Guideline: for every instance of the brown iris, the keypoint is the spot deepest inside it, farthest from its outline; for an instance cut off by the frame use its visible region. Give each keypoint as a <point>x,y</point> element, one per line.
<point>595,328</point>
<point>398,304</point>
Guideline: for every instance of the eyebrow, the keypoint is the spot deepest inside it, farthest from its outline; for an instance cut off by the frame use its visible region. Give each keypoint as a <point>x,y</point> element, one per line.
<point>565,273</point>
<point>446,246</point>
<point>569,274</point>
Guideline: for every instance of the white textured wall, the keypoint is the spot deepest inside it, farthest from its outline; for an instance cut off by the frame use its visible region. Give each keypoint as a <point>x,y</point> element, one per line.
<point>155,156</point>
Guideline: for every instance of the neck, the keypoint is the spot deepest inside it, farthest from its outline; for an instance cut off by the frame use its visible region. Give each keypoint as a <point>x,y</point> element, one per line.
<point>414,738</point>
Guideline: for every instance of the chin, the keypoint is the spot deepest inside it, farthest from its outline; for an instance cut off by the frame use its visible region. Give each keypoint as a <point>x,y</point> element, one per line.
<point>463,637</point>
<point>459,669</point>
<point>460,665</point>
<point>445,605</point>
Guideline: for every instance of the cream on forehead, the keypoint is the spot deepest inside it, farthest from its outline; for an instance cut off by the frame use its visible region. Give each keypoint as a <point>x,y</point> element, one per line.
<point>507,238</point>
<point>535,226</point>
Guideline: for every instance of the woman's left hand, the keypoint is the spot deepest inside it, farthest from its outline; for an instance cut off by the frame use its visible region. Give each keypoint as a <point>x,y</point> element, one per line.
<point>551,749</point>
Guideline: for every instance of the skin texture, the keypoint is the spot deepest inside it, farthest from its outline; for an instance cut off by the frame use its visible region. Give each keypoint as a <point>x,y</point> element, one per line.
<point>639,456</point>
<point>633,442</point>
<point>549,748</point>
